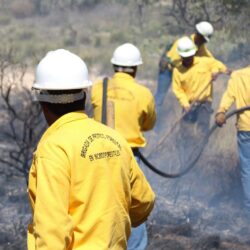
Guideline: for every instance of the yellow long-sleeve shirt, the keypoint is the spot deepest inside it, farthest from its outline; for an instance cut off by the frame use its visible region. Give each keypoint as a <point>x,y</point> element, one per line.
<point>195,83</point>
<point>85,188</point>
<point>134,107</point>
<point>175,58</point>
<point>238,92</point>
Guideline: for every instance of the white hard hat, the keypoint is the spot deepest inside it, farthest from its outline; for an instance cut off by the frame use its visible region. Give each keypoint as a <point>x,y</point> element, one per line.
<point>61,70</point>
<point>126,55</point>
<point>186,47</point>
<point>205,29</point>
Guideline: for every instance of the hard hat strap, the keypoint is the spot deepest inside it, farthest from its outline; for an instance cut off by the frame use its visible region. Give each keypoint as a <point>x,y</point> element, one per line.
<point>45,96</point>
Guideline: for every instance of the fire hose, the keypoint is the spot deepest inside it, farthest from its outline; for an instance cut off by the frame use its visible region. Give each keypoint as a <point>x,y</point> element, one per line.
<point>192,163</point>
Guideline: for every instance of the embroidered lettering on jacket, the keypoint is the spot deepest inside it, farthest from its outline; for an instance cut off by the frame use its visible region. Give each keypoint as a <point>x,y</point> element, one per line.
<point>97,136</point>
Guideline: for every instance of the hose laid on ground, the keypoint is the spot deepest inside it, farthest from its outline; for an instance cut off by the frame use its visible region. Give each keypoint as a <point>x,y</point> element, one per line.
<point>192,105</point>
<point>191,164</point>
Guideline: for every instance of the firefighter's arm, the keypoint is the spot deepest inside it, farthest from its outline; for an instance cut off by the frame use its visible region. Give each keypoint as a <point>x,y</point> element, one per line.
<point>166,63</point>
<point>227,100</point>
<point>228,97</point>
<point>219,67</point>
<point>149,113</point>
<point>51,221</point>
<point>179,91</point>
<point>207,53</point>
<point>142,195</point>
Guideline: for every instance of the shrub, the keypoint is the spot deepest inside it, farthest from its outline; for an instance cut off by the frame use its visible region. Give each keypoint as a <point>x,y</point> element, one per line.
<point>22,9</point>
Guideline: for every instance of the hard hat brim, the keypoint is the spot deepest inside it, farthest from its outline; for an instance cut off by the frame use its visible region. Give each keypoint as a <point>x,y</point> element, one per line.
<point>51,86</point>
<point>125,64</point>
<point>206,38</point>
<point>188,53</point>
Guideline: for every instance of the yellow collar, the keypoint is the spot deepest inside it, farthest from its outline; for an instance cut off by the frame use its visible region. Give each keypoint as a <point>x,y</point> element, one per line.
<point>124,76</point>
<point>72,116</point>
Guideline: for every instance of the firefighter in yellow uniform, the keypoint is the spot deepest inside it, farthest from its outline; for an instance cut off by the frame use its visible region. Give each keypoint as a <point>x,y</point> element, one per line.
<point>198,39</point>
<point>171,59</point>
<point>238,92</point>
<point>85,188</point>
<point>133,111</point>
<point>192,83</point>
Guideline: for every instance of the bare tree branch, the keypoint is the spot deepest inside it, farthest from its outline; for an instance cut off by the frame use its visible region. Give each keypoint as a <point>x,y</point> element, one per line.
<point>22,125</point>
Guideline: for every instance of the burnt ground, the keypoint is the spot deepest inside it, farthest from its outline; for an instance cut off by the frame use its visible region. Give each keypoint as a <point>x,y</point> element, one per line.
<point>179,224</point>
<point>191,225</point>
<point>201,210</point>
<point>15,213</point>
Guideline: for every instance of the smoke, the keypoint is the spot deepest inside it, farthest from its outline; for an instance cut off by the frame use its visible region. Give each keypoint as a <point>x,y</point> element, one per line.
<point>207,201</point>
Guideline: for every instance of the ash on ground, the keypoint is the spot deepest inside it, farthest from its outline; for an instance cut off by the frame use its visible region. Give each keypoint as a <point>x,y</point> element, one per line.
<point>201,210</point>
